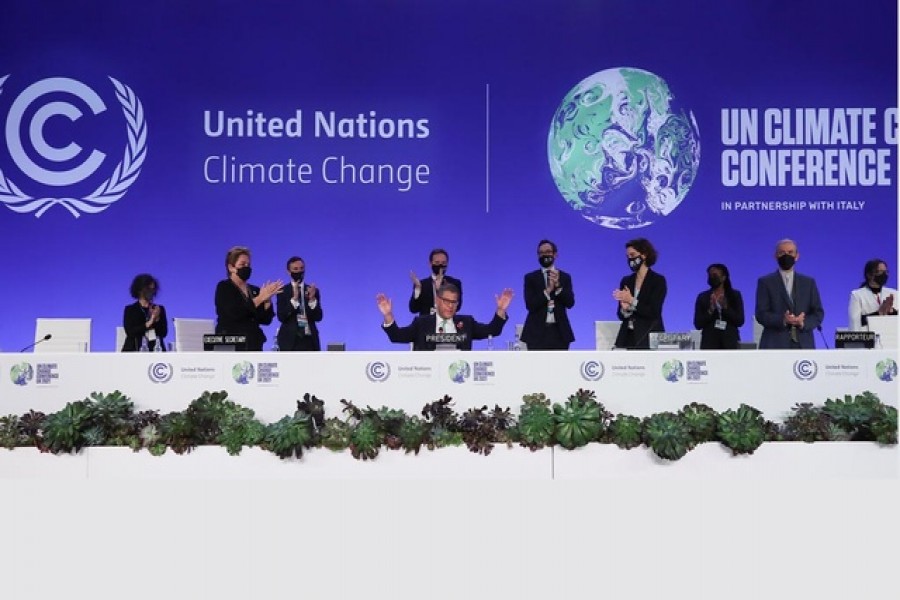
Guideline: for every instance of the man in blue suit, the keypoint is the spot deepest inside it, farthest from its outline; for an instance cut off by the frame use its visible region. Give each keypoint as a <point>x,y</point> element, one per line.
<point>426,332</point>
<point>788,305</point>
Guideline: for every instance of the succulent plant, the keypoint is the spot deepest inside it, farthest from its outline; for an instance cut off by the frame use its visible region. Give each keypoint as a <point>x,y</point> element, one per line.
<point>288,436</point>
<point>413,433</point>
<point>808,423</point>
<point>64,430</point>
<point>440,414</point>
<point>626,431</point>
<point>578,421</point>
<point>481,429</point>
<point>176,432</point>
<point>10,435</point>
<point>884,428</point>
<point>536,424</point>
<point>742,430</point>
<point>240,428</point>
<point>365,439</point>
<point>667,435</point>
<point>856,415</point>
<point>31,428</point>
<point>701,420</point>
<point>335,434</point>
<point>111,412</point>
<point>314,408</point>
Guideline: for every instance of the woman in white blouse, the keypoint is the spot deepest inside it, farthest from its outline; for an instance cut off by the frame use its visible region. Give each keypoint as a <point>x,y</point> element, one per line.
<point>872,297</point>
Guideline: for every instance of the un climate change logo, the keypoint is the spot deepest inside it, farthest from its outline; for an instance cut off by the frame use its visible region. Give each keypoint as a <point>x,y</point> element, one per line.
<point>30,118</point>
<point>459,371</point>
<point>21,373</point>
<point>805,369</point>
<point>672,370</point>
<point>160,372</point>
<point>243,372</point>
<point>886,370</point>
<point>621,152</point>
<point>377,372</point>
<point>592,370</point>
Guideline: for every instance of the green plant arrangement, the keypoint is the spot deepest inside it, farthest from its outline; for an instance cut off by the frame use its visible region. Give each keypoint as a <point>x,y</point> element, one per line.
<point>213,419</point>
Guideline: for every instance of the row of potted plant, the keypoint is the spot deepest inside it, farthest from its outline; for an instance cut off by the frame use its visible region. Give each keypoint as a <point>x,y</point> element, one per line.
<point>212,419</point>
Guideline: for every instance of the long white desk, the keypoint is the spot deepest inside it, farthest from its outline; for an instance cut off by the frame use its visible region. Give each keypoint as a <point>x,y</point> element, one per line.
<point>636,383</point>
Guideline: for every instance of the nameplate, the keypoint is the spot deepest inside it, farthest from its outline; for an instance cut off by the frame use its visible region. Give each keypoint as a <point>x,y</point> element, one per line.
<point>216,339</point>
<point>446,338</point>
<point>672,341</point>
<point>845,339</point>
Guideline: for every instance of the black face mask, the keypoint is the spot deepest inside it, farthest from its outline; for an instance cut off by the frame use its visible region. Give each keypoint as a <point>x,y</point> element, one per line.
<point>148,295</point>
<point>714,281</point>
<point>436,269</point>
<point>635,263</point>
<point>298,277</point>
<point>546,261</point>
<point>244,273</point>
<point>786,261</point>
<point>880,279</point>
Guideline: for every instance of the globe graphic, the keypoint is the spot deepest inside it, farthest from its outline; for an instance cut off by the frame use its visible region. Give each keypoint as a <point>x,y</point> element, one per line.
<point>459,371</point>
<point>621,152</point>
<point>672,370</point>
<point>886,370</point>
<point>242,372</point>
<point>21,373</point>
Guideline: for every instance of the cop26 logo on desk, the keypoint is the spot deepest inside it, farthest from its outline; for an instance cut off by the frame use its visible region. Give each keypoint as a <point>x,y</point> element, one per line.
<point>42,128</point>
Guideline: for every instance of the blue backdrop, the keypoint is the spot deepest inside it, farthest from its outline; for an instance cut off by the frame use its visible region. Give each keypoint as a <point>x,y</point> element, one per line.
<point>462,93</point>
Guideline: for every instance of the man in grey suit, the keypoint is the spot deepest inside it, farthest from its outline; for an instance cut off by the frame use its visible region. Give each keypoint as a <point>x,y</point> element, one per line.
<point>788,305</point>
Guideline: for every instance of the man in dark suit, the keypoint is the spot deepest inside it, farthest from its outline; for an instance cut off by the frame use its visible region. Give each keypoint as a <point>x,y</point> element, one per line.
<point>548,295</point>
<point>788,304</point>
<point>422,300</point>
<point>445,326</point>
<point>299,310</point>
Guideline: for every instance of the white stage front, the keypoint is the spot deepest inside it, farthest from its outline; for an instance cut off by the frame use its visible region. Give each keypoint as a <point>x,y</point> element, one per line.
<point>635,383</point>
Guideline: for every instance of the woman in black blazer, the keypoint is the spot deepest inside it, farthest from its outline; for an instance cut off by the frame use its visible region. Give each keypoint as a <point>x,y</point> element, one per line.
<point>719,311</point>
<point>640,297</point>
<point>240,307</point>
<point>144,319</point>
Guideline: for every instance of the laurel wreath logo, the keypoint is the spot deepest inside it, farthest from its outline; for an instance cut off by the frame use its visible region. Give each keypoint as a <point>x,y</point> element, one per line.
<point>125,174</point>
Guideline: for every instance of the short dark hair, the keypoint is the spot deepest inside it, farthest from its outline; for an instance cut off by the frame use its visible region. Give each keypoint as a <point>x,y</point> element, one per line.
<point>448,287</point>
<point>871,267</point>
<point>232,256</point>
<point>438,251</point>
<point>542,242</point>
<point>142,282</point>
<point>644,246</point>
<point>294,259</point>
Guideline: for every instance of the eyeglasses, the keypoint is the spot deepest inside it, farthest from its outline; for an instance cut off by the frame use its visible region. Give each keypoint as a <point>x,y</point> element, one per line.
<point>448,301</point>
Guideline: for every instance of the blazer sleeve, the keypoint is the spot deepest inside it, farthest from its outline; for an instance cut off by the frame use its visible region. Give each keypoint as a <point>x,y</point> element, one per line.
<point>566,295</point>
<point>535,300</point>
<point>622,285</point>
<point>702,316</point>
<point>133,321</point>
<point>650,301</point>
<point>162,325</point>
<point>230,306</point>
<point>315,314</point>
<point>481,331</point>
<point>766,313</point>
<point>816,313</point>
<point>401,335</point>
<point>416,305</point>
<point>286,310</point>
<point>264,315</point>
<point>733,314</point>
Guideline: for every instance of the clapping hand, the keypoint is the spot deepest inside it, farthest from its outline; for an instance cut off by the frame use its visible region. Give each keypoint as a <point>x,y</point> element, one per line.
<point>269,289</point>
<point>415,280</point>
<point>310,292</point>
<point>623,296</point>
<point>887,307</point>
<point>552,280</point>
<point>154,313</point>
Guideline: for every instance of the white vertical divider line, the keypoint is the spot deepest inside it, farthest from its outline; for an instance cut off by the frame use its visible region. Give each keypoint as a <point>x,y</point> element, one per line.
<point>487,148</point>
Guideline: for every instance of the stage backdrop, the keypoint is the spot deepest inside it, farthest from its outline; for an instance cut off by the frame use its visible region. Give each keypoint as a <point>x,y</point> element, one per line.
<point>152,136</point>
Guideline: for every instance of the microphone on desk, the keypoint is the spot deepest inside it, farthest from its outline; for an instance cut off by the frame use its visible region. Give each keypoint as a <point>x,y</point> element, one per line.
<point>33,344</point>
<point>824,341</point>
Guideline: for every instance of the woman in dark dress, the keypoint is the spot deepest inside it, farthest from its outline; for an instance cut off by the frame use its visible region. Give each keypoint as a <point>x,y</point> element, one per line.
<point>144,320</point>
<point>241,307</point>
<point>719,311</point>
